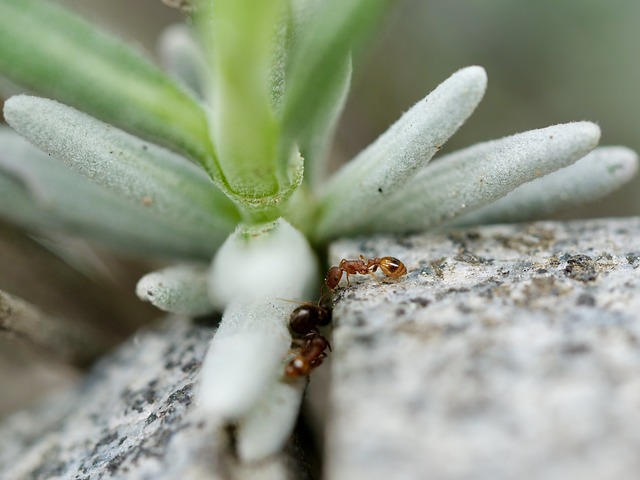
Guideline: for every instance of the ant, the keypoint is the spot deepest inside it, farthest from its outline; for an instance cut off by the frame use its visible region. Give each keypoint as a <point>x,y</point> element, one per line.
<point>310,356</point>
<point>307,317</point>
<point>303,323</point>
<point>390,266</point>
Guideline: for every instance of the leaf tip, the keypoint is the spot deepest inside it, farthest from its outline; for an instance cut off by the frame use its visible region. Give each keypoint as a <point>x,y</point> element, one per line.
<point>474,74</point>
<point>621,162</point>
<point>14,104</point>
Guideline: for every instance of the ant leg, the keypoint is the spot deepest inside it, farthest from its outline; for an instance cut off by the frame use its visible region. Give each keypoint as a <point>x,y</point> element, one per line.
<point>325,301</point>
<point>323,293</point>
<point>318,361</point>
<point>374,276</point>
<point>298,344</point>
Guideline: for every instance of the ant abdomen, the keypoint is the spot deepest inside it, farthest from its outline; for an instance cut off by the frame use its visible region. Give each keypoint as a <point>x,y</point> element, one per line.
<point>307,317</point>
<point>392,267</point>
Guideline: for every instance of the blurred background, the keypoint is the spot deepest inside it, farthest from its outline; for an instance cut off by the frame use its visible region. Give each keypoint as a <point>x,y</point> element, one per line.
<point>548,62</point>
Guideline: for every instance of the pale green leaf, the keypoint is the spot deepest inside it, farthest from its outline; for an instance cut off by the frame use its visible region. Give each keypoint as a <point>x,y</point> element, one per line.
<point>354,195</point>
<point>37,192</point>
<point>50,51</point>
<point>240,39</point>
<point>145,174</point>
<point>181,56</point>
<point>316,132</point>
<point>476,176</point>
<point>316,72</point>
<point>252,272</point>
<point>267,427</point>
<point>314,140</point>
<point>245,357</point>
<point>180,289</point>
<point>592,177</point>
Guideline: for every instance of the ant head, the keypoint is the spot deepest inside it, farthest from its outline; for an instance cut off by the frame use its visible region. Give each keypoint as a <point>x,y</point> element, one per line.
<point>323,316</point>
<point>334,275</point>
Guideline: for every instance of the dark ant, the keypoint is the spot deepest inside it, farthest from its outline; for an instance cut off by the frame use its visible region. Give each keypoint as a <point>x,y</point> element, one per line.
<point>311,355</point>
<point>303,323</point>
<point>307,317</point>
<point>390,266</point>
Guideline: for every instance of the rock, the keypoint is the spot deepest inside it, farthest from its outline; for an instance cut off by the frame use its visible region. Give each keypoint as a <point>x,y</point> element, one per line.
<point>133,417</point>
<point>507,352</point>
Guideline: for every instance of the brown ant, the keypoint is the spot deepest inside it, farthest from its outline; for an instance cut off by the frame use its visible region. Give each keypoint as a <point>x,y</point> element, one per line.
<point>311,355</point>
<point>307,317</point>
<point>390,266</point>
<point>303,323</point>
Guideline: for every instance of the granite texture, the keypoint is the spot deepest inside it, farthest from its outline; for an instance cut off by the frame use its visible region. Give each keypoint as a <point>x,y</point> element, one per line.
<point>133,417</point>
<point>506,352</point>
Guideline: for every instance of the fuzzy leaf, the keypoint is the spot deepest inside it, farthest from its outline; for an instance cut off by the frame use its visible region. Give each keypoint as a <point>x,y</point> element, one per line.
<point>315,139</point>
<point>143,173</point>
<point>316,133</point>
<point>50,51</point>
<point>590,178</point>
<point>244,127</point>
<point>252,271</point>
<point>318,66</point>
<point>270,260</point>
<point>267,427</point>
<point>180,289</point>
<point>245,357</point>
<point>478,175</point>
<point>39,193</point>
<point>356,193</point>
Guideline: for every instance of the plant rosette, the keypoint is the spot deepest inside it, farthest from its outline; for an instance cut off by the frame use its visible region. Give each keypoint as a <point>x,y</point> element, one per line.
<point>224,158</point>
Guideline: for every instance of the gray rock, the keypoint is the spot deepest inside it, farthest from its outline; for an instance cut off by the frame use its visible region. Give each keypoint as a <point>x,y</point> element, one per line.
<point>133,417</point>
<point>507,352</point>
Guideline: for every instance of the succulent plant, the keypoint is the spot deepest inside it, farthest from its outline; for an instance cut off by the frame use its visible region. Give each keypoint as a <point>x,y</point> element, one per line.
<point>220,165</point>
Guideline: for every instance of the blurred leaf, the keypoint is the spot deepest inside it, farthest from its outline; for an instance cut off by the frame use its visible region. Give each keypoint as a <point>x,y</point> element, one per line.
<point>84,287</point>
<point>592,177</point>
<point>316,136</point>
<point>58,55</point>
<point>56,337</point>
<point>316,71</point>
<point>182,57</point>
<point>39,193</point>
<point>244,127</point>
<point>143,173</point>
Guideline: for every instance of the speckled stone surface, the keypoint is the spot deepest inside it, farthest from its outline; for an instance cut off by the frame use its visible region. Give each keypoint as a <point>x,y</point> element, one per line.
<point>133,417</point>
<point>507,352</point>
